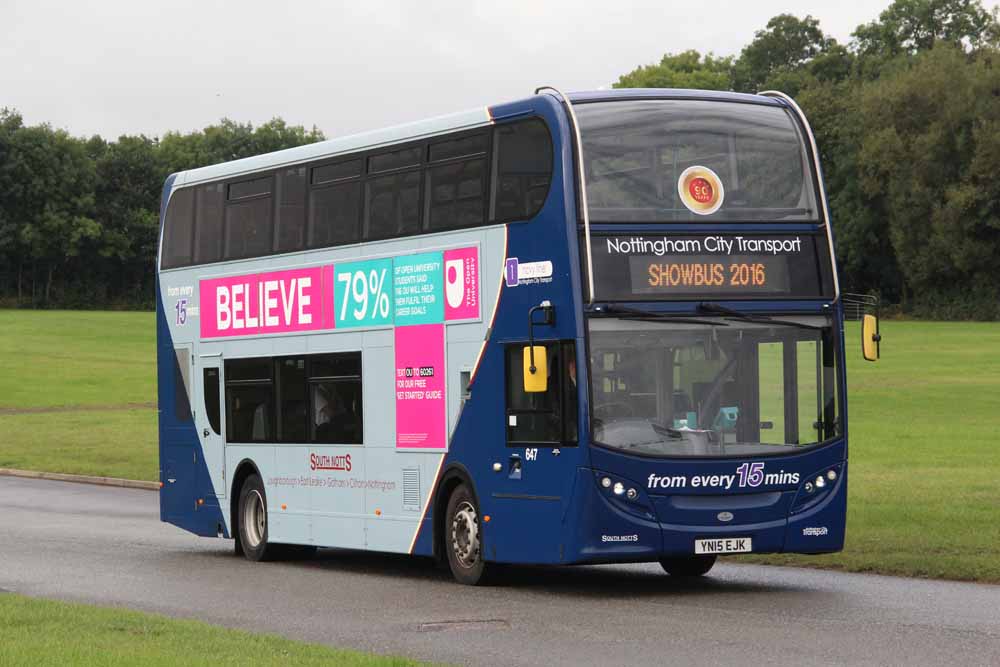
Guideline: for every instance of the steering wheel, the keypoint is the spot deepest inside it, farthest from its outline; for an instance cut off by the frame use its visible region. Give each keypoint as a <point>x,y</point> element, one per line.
<point>629,409</point>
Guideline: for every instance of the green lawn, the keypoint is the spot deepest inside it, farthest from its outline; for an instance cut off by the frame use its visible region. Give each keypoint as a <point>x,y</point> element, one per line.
<point>42,632</point>
<point>924,428</point>
<point>54,358</point>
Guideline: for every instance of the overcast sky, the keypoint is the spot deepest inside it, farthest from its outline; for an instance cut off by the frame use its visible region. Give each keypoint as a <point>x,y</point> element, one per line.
<point>134,66</point>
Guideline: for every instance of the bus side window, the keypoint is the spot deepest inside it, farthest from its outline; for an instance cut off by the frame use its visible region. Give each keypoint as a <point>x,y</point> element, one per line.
<point>543,418</point>
<point>456,183</point>
<point>336,414</point>
<point>249,218</point>
<point>210,200</point>
<point>178,233</point>
<point>249,400</point>
<point>290,226</point>
<point>335,204</point>
<point>211,391</point>
<point>182,373</point>
<point>523,170</point>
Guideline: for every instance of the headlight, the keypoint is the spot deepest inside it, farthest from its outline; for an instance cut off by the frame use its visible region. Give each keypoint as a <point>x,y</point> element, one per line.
<point>606,482</point>
<point>619,488</point>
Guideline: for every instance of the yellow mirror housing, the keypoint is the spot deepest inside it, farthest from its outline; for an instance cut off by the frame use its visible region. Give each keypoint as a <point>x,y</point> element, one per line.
<point>536,380</point>
<point>870,338</point>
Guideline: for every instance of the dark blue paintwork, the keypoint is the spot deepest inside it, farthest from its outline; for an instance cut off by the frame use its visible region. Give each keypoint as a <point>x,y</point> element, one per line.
<point>557,512</point>
<point>184,476</point>
<point>554,509</point>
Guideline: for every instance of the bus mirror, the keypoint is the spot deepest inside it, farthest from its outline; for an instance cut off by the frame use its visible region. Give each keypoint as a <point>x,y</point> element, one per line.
<point>536,369</point>
<point>870,338</point>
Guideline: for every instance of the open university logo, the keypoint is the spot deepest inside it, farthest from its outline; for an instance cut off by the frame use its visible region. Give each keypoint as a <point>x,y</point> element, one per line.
<point>454,283</point>
<point>701,190</point>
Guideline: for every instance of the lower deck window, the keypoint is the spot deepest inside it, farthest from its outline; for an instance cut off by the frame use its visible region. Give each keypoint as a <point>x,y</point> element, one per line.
<point>543,418</point>
<point>312,398</point>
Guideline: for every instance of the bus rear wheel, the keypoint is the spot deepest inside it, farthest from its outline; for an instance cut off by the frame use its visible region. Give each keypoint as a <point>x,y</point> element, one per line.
<point>463,538</point>
<point>253,521</point>
<point>688,566</point>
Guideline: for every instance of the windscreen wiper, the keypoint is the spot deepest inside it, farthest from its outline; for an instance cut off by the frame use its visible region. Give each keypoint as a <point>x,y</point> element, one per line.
<point>639,315</point>
<point>716,309</point>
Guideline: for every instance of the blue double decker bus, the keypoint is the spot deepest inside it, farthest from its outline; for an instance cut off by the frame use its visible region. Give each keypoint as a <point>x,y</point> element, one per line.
<point>596,328</point>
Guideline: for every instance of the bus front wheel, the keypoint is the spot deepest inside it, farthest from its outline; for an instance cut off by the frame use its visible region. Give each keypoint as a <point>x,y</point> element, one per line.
<point>253,521</point>
<point>463,538</point>
<point>688,566</point>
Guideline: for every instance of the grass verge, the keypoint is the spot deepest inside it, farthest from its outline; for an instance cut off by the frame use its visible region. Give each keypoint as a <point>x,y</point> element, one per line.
<point>44,632</point>
<point>103,443</point>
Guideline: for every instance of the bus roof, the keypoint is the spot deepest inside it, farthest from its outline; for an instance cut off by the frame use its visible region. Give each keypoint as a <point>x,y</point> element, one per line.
<point>432,126</point>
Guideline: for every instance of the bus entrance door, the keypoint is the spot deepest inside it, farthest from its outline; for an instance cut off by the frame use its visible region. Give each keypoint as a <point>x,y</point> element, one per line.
<point>208,420</point>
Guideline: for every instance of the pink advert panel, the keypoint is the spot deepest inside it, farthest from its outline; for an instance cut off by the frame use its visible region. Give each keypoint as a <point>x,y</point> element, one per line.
<point>420,402</point>
<point>262,303</point>
<point>461,284</point>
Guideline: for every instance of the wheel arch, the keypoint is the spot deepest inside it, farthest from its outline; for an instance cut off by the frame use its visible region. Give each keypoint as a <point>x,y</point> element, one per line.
<point>452,476</point>
<point>244,469</point>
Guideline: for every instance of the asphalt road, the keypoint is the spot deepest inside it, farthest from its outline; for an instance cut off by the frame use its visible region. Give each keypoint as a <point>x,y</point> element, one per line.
<point>106,546</point>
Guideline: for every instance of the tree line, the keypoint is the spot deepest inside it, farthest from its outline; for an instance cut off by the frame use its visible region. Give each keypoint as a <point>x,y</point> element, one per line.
<point>906,116</point>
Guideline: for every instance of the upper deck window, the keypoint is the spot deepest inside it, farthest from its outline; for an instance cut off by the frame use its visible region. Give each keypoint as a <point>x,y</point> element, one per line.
<point>524,169</point>
<point>178,232</point>
<point>687,160</point>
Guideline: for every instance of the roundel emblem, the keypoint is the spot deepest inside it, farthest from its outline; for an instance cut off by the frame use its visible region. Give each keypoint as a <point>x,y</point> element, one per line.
<point>725,516</point>
<point>701,190</point>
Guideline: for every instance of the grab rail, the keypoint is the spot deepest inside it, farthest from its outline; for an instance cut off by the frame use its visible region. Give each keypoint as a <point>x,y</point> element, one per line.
<point>583,187</point>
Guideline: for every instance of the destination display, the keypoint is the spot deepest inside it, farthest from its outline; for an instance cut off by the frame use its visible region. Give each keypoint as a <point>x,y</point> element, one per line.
<point>647,267</point>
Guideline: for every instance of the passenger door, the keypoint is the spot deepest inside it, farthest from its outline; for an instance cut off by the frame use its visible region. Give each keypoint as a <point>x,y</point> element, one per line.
<point>209,417</point>
<point>540,458</point>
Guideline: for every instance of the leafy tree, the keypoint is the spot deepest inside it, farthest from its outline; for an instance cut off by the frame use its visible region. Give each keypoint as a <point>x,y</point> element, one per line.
<point>129,178</point>
<point>11,246</point>
<point>782,50</point>
<point>932,150</point>
<point>681,70</point>
<point>911,26</point>
<point>230,140</point>
<point>52,199</point>
<point>865,254</point>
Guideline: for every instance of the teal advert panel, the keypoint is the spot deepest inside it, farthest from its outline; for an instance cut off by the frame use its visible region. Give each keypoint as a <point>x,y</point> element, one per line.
<point>361,293</point>
<point>418,289</point>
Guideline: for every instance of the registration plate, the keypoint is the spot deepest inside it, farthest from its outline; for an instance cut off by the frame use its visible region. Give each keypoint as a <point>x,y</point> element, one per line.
<point>728,545</point>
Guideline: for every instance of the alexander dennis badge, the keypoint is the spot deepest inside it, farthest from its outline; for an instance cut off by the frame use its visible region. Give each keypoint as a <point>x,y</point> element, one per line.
<point>701,190</point>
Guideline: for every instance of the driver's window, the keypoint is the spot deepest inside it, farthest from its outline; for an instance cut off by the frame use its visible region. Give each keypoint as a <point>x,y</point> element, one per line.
<point>543,418</point>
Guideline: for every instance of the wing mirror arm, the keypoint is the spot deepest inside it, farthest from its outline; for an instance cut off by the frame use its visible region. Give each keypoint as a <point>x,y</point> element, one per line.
<point>548,319</point>
<point>535,370</point>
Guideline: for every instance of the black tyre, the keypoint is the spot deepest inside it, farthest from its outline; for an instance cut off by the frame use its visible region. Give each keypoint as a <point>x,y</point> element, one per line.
<point>463,538</point>
<point>688,566</point>
<point>253,522</point>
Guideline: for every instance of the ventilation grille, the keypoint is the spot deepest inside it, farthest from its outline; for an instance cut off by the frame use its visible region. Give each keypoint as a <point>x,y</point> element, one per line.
<point>411,489</point>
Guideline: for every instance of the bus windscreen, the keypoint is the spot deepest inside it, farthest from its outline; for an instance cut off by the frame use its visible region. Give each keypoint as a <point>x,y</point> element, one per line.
<point>688,160</point>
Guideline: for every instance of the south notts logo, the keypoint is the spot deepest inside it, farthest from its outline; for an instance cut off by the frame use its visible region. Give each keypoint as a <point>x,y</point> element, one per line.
<point>325,462</point>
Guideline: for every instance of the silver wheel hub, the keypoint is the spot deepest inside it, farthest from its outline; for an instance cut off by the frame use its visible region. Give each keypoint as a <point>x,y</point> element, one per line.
<point>254,519</point>
<point>465,535</point>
